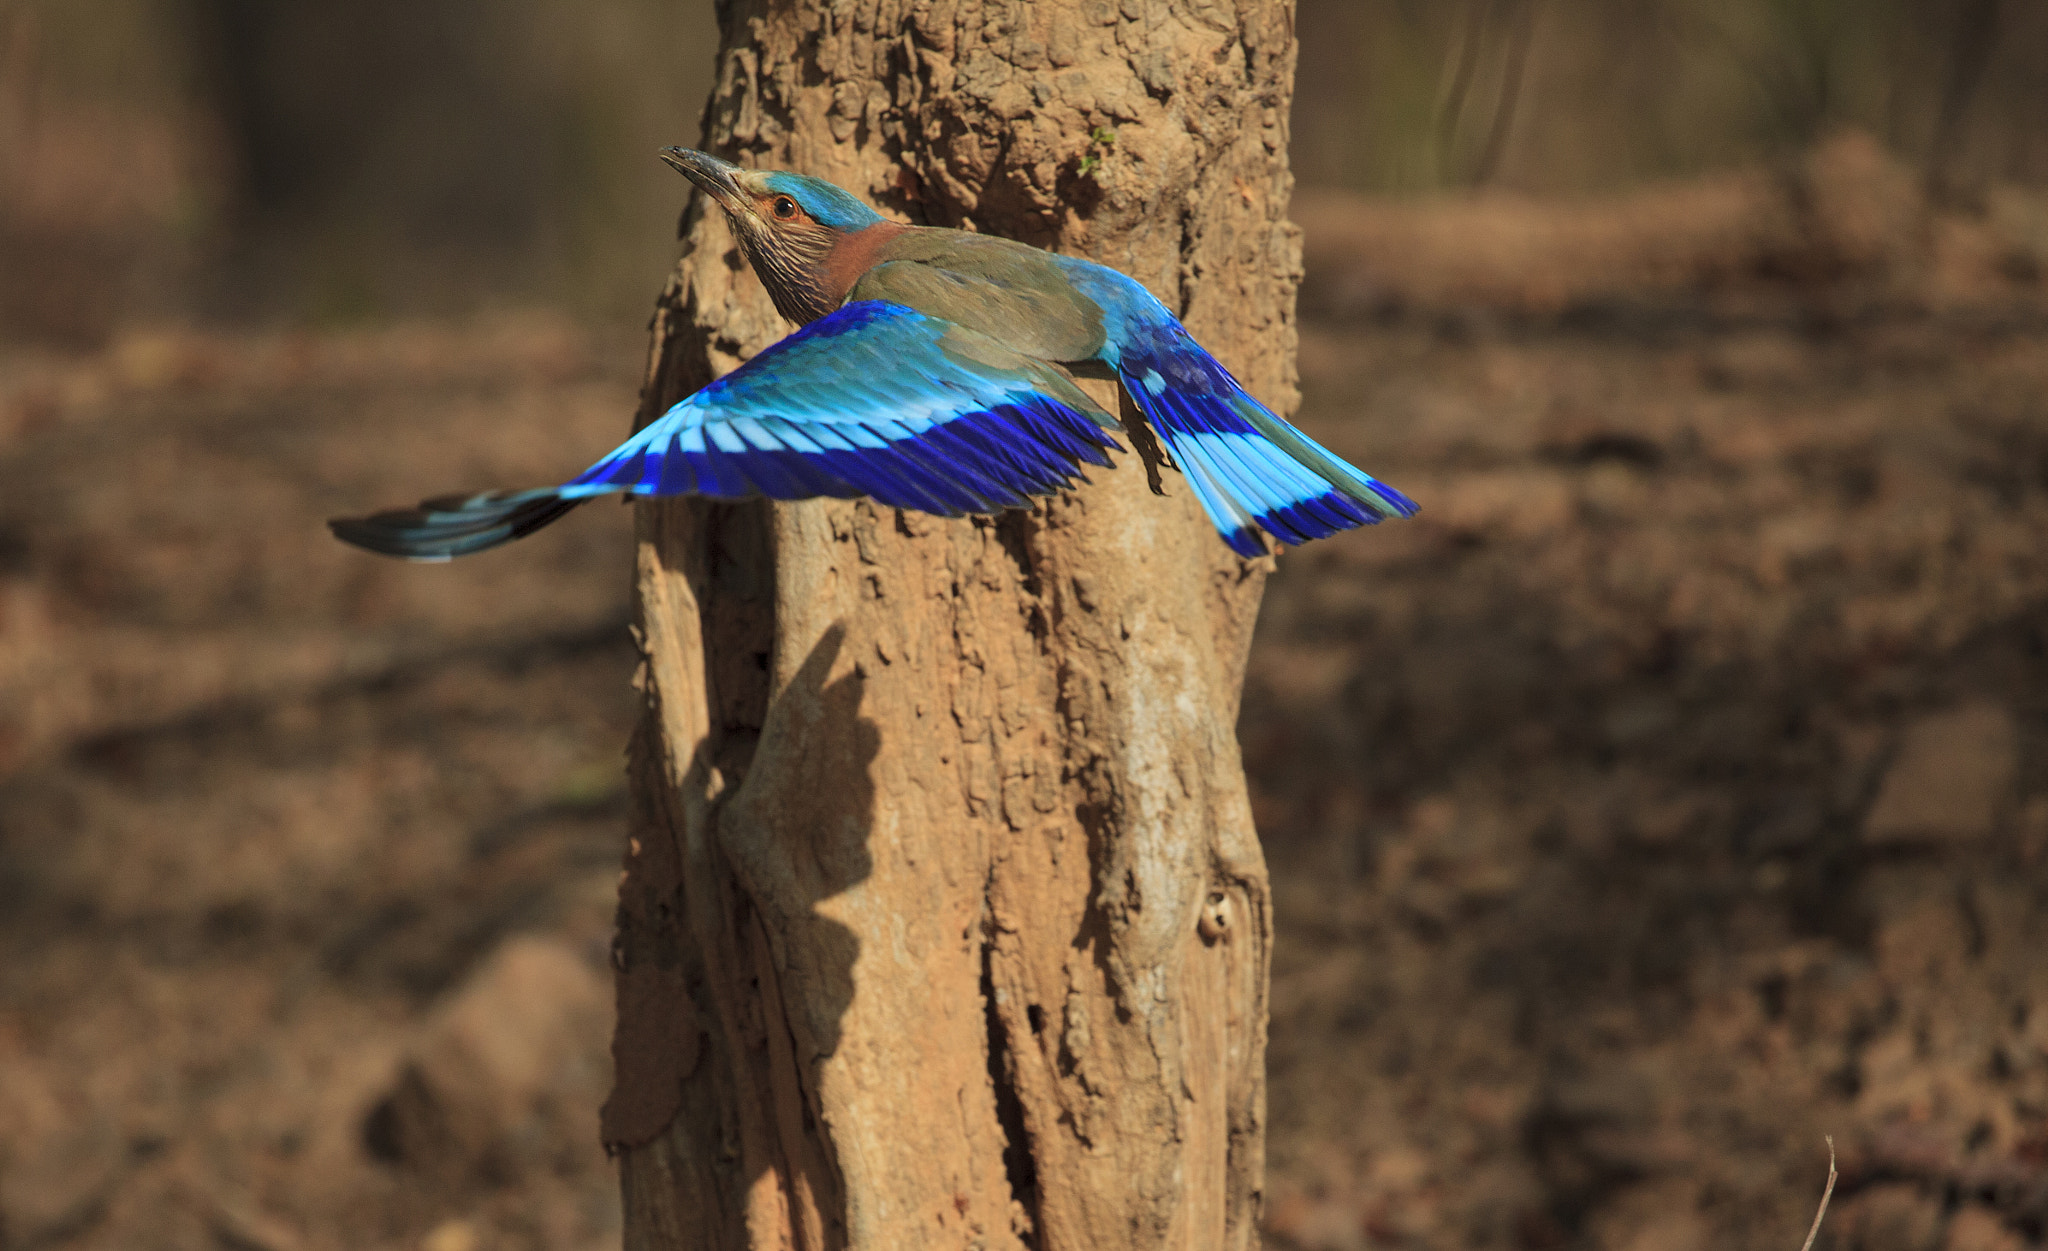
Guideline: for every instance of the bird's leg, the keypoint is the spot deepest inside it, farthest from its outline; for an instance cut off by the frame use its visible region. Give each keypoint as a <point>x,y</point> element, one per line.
<point>1143,441</point>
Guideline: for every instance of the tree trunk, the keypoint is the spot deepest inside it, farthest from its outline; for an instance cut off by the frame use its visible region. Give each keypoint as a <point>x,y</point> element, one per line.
<point>944,923</point>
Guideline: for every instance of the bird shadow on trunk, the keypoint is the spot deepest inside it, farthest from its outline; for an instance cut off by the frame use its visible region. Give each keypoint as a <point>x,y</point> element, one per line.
<point>794,834</point>
<point>797,830</point>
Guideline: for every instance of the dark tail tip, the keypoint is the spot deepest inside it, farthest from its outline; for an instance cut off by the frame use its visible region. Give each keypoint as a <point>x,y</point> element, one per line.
<point>450,526</point>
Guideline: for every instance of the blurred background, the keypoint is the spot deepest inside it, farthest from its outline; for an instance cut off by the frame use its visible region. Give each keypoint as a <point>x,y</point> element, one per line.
<point>1668,795</point>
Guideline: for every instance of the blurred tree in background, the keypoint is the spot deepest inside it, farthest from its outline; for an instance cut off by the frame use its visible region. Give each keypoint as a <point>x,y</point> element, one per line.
<point>452,131</point>
<point>336,162</point>
<point>321,162</point>
<point>1406,95</point>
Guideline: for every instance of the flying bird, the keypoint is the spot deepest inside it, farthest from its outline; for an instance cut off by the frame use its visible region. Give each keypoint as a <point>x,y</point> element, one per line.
<point>930,370</point>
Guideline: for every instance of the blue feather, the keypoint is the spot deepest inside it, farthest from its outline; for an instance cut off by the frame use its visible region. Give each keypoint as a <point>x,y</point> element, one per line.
<point>823,201</point>
<point>871,400</point>
<point>1247,466</point>
<point>934,431</point>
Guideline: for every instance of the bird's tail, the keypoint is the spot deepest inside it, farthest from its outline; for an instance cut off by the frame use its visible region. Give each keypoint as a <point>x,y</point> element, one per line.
<point>1250,469</point>
<point>454,525</point>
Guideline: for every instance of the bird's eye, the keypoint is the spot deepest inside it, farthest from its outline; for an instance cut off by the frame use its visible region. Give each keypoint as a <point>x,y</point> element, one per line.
<point>785,208</point>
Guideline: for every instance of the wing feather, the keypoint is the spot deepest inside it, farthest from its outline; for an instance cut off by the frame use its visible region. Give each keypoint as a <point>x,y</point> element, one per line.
<point>876,399</point>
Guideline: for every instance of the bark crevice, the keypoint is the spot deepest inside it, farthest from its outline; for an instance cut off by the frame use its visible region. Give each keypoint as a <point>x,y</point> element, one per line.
<point>1018,1165</point>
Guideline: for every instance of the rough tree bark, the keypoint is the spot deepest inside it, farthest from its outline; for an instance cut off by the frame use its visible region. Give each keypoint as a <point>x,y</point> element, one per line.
<point>944,923</point>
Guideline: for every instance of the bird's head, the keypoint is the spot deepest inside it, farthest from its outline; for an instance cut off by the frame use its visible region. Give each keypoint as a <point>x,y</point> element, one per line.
<point>792,227</point>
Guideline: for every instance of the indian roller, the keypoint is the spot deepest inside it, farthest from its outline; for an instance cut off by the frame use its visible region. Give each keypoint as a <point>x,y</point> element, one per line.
<point>930,370</point>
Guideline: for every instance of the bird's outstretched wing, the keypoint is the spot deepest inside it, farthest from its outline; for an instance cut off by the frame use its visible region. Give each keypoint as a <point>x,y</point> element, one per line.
<point>877,399</point>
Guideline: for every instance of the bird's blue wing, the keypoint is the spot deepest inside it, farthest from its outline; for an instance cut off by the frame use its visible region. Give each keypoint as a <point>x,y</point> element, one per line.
<point>1250,469</point>
<point>876,399</point>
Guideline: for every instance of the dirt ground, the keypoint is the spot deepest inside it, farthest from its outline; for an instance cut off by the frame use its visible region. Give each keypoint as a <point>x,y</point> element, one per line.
<point>1669,795</point>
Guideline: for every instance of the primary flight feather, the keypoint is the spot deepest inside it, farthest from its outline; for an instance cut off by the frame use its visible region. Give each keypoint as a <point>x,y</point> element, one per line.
<point>926,372</point>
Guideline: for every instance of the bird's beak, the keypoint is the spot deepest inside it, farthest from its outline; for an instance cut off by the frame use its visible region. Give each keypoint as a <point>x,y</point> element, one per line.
<point>713,176</point>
